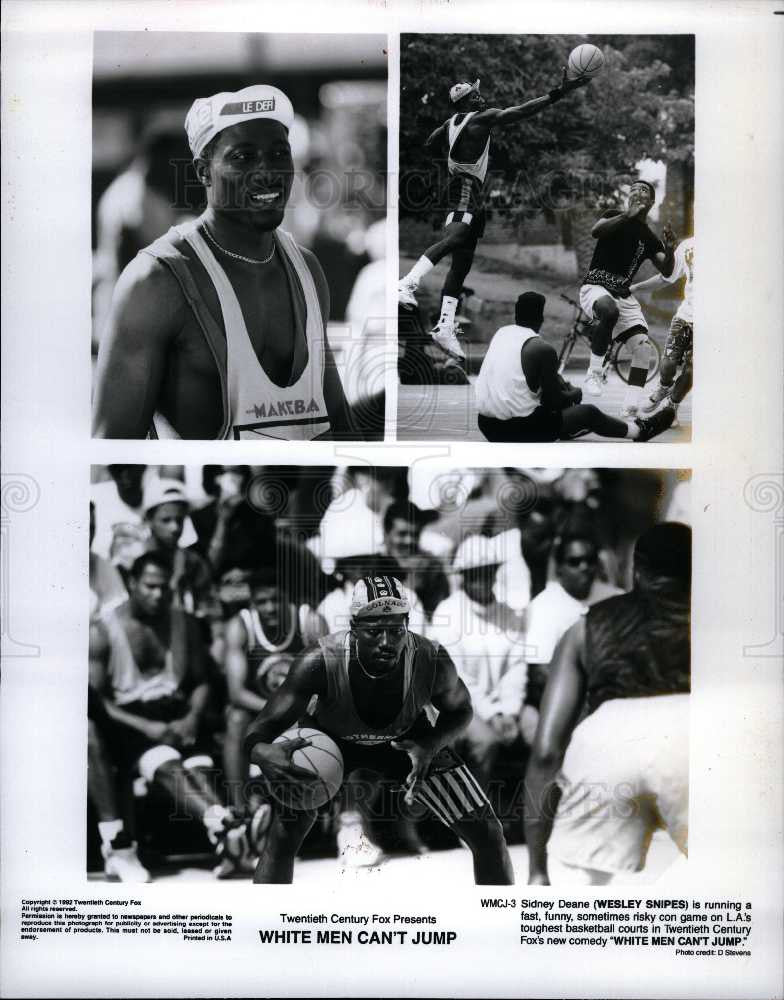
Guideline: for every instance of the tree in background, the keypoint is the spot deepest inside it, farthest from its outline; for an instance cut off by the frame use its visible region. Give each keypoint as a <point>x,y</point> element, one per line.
<point>570,160</point>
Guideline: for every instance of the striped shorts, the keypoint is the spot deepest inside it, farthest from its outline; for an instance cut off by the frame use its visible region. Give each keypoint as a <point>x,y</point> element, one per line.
<point>464,204</point>
<point>450,791</point>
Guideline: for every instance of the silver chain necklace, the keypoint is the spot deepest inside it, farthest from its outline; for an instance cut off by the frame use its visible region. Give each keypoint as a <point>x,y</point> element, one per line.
<point>238,256</point>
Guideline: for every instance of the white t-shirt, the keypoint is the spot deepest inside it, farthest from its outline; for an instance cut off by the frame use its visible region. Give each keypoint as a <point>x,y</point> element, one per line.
<point>488,649</point>
<point>552,612</point>
<point>501,387</point>
<point>684,268</point>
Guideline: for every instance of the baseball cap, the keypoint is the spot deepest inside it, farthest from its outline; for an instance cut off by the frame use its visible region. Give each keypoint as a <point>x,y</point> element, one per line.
<point>379,595</point>
<point>159,491</point>
<point>461,89</point>
<point>210,115</point>
<point>479,550</point>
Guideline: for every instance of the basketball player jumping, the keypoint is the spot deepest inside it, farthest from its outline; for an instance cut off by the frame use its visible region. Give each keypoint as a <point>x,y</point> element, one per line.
<point>623,241</point>
<point>377,687</point>
<point>467,138</point>
<point>217,329</point>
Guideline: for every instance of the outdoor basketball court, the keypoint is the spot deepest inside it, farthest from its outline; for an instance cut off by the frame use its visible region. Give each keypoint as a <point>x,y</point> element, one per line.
<point>448,412</point>
<point>434,868</point>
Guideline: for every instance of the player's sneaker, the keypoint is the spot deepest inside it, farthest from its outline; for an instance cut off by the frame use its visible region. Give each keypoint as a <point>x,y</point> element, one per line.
<point>659,393</point>
<point>446,339</point>
<point>593,384</point>
<point>405,293</point>
<point>675,421</point>
<point>122,863</point>
<point>233,853</point>
<point>354,847</point>
<point>657,424</point>
<point>629,411</point>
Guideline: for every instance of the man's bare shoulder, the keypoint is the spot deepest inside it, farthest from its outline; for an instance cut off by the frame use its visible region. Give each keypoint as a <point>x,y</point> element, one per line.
<point>147,293</point>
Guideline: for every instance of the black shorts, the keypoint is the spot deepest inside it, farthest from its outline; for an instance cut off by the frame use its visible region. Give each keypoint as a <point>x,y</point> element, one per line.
<point>539,426</point>
<point>464,204</point>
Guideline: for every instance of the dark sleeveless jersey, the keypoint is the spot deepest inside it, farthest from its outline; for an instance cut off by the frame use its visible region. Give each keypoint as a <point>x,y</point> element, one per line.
<point>335,712</point>
<point>636,645</point>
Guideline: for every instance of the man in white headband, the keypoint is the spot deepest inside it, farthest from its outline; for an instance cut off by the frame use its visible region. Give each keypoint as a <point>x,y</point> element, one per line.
<point>465,137</point>
<point>378,685</point>
<point>217,329</point>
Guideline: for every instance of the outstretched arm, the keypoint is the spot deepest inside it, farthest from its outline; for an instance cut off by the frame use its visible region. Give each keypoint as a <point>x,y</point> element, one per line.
<point>561,704</point>
<point>500,118</point>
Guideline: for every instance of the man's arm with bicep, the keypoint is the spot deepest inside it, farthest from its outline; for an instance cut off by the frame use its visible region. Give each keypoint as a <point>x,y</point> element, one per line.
<point>450,696</point>
<point>145,316</point>
<point>236,667</point>
<point>540,367</point>
<point>306,677</point>
<point>438,134</point>
<point>560,709</point>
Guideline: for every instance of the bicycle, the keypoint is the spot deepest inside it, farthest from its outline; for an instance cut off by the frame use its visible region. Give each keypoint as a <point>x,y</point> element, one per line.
<point>618,354</point>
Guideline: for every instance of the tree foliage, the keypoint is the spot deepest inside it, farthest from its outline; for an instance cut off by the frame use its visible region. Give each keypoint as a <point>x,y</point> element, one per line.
<point>641,104</point>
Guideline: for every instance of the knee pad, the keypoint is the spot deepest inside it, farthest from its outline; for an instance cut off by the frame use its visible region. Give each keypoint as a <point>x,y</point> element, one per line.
<point>637,341</point>
<point>198,760</point>
<point>152,759</point>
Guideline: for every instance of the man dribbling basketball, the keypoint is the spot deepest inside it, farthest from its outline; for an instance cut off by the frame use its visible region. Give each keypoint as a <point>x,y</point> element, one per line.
<point>377,686</point>
<point>467,137</point>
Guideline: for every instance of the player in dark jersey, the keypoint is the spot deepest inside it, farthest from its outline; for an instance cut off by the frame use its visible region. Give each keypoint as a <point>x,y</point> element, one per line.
<point>378,686</point>
<point>624,240</point>
<point>595,792</point>
<point>466,137</point>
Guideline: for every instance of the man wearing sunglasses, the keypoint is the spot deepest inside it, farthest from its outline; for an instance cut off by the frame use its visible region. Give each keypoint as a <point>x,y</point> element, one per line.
<point>378,686</point>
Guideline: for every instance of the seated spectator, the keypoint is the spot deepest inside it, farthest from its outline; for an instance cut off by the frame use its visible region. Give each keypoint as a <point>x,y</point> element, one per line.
<point>485,640</point>
<point>261,643</point>
<point>562,602</point>
<point>106,585</point>
<point>148,669</point>
<point>165,508</point>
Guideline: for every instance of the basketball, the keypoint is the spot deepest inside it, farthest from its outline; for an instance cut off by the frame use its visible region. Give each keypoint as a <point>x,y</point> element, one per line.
<point>323,758</point>
<point>585,60</point>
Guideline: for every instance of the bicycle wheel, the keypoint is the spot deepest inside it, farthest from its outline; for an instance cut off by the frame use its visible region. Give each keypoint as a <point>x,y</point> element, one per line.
<point>622,358</point>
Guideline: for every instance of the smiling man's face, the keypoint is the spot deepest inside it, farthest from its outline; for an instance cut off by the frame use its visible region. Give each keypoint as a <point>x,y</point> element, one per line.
<point>249,173</point>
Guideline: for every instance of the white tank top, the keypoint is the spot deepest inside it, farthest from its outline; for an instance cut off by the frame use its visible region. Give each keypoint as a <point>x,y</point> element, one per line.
<point>258,408</point>
<point>501,388</point>
<point>477,169</point>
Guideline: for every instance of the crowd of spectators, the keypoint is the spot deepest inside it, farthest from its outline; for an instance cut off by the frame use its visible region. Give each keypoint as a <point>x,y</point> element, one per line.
<point>206,582</point>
